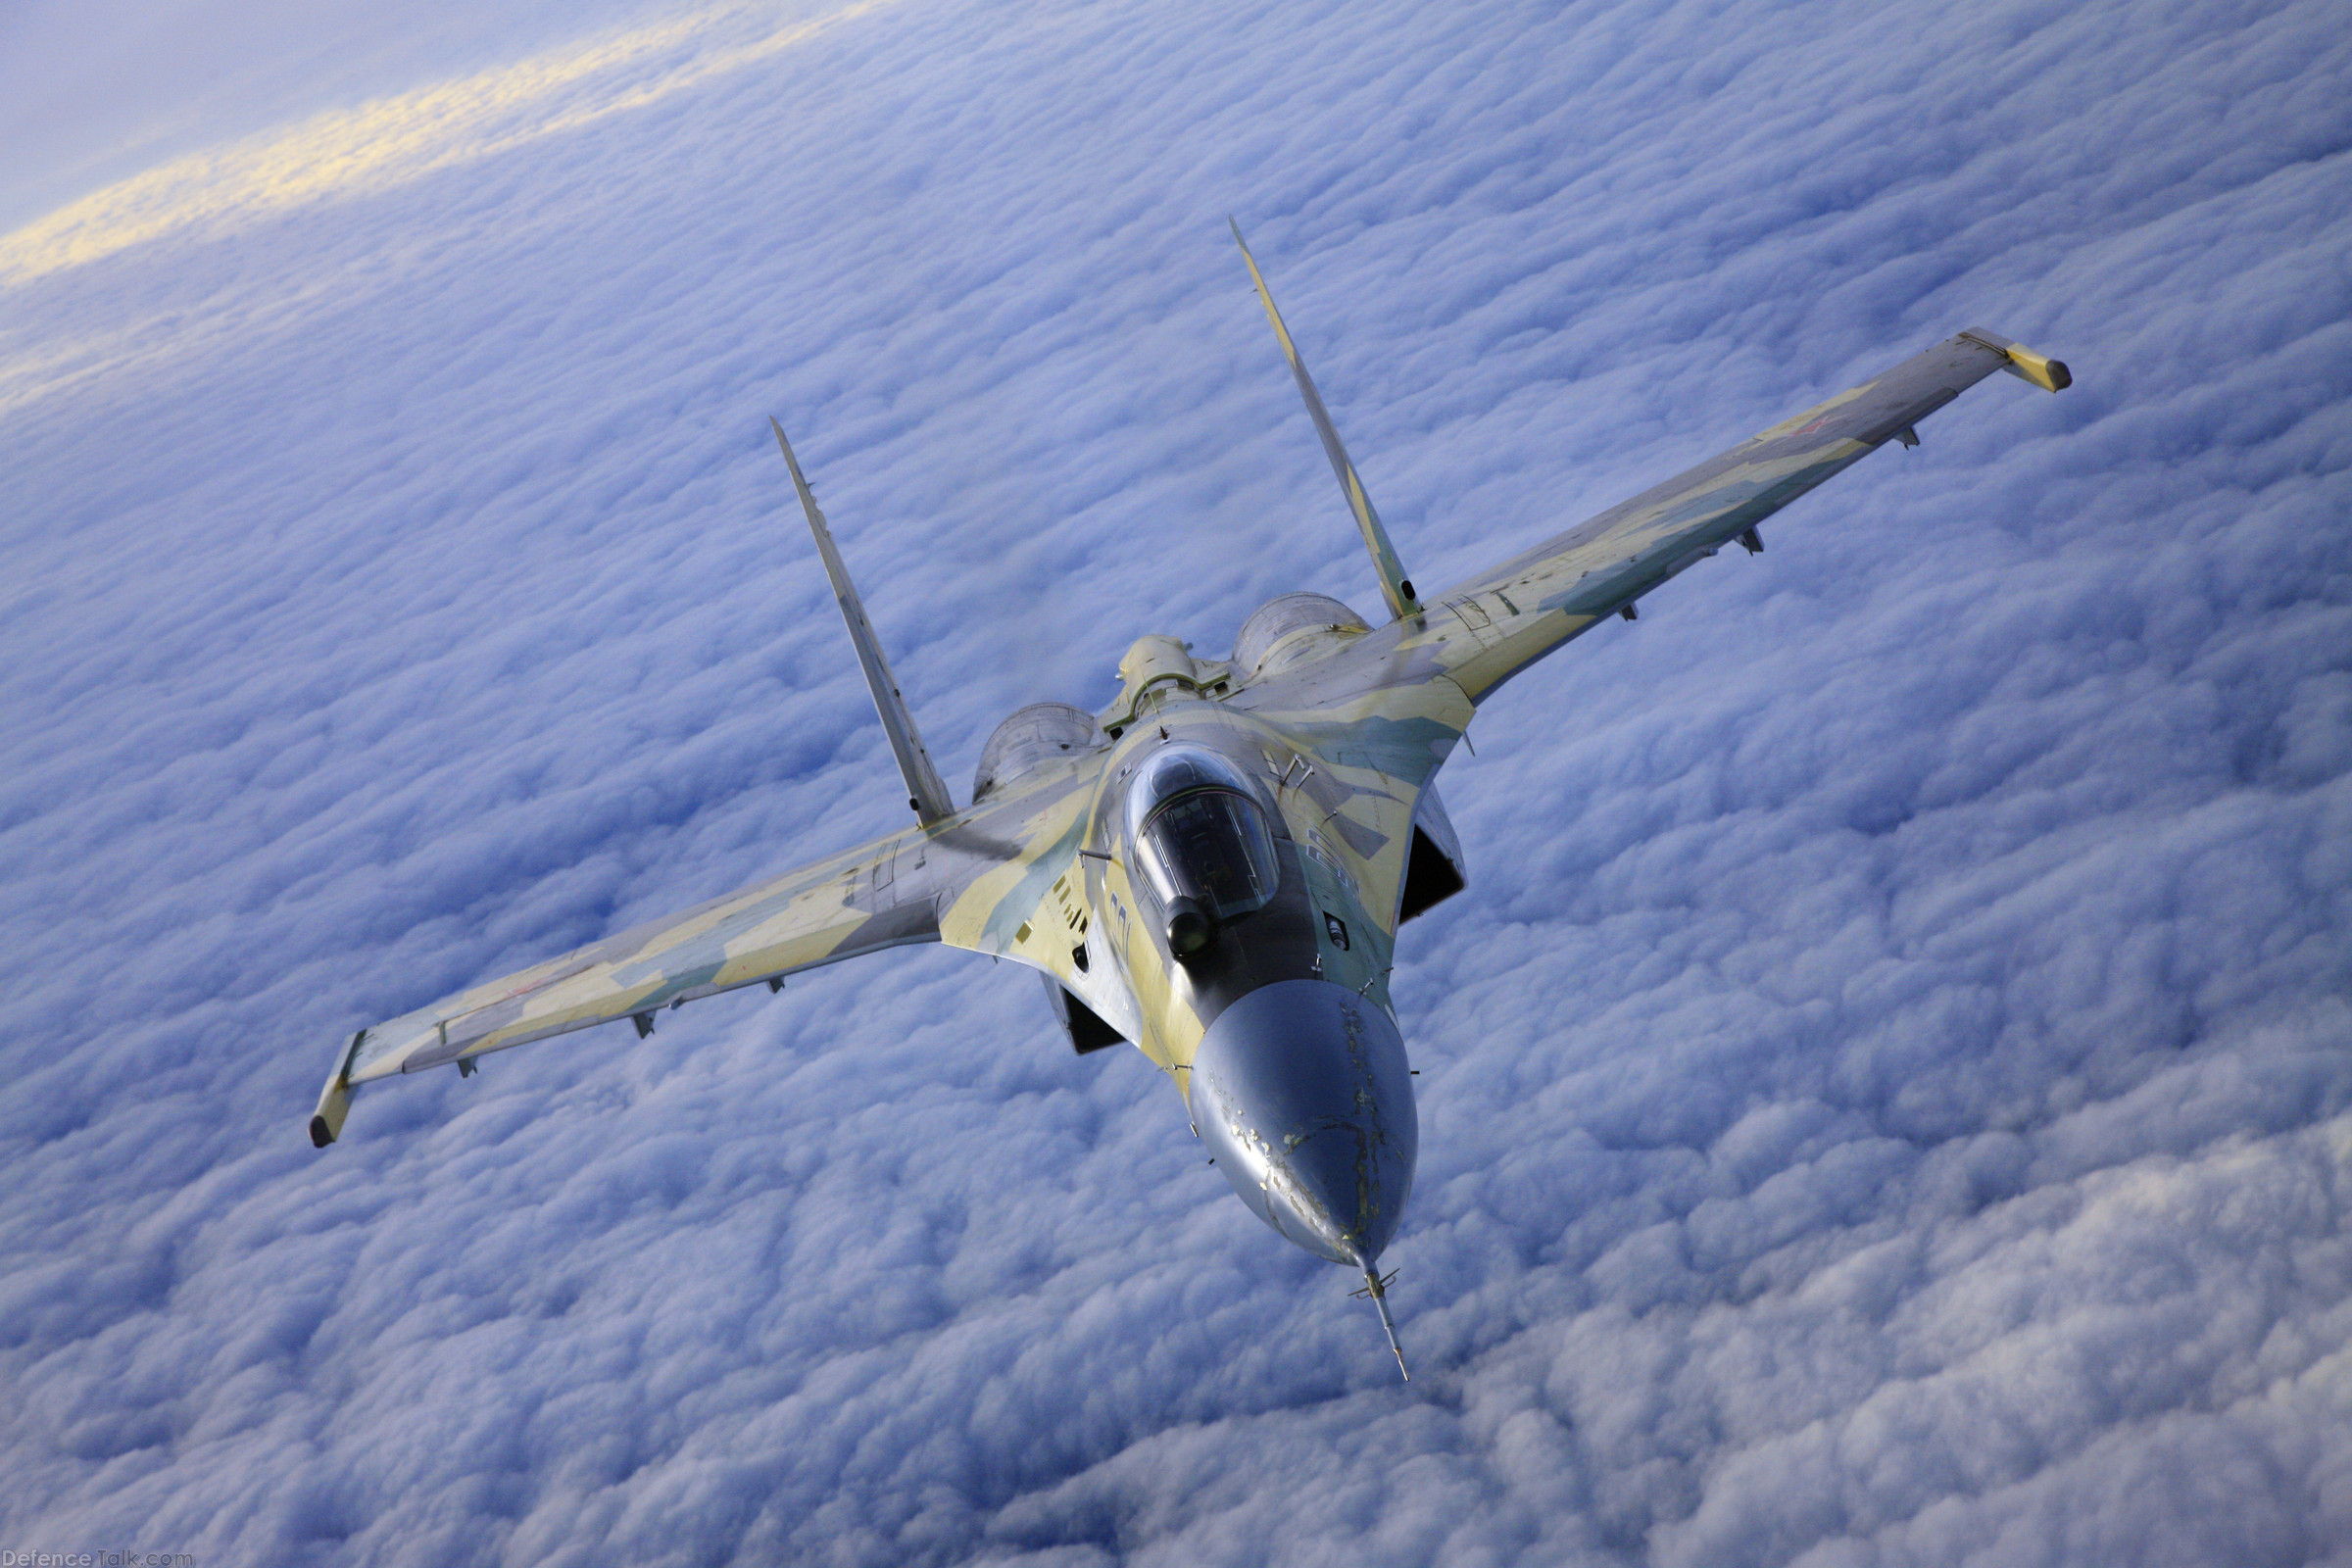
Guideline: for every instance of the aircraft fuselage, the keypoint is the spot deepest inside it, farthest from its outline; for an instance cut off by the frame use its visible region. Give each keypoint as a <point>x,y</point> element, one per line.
<point>1278,1026</point>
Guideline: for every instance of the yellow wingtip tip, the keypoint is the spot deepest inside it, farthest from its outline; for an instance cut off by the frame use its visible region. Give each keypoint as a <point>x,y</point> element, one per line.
<point>327,1122</point>
<point>2051,375</point>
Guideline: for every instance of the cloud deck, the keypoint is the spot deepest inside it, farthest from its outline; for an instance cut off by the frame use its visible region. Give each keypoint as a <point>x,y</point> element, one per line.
<point>1886,1092</point>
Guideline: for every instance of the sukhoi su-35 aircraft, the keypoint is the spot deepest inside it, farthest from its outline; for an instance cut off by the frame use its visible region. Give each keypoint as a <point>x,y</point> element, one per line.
<point>1213,868</point>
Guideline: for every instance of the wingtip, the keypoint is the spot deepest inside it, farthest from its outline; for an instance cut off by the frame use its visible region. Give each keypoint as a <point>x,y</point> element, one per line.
<point>334,1101</point>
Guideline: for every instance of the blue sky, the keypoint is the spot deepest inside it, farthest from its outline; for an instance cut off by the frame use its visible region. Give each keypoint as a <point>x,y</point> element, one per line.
<point>1884,1091</point>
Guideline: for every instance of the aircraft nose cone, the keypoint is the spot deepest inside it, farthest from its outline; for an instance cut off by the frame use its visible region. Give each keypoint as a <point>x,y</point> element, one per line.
<point>1302,1093</point>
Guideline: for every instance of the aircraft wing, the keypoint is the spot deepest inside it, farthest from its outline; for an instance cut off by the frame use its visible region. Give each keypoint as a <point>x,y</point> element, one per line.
<point>895,891</point>
<point>1386,711</point>
<point>1501,620</point>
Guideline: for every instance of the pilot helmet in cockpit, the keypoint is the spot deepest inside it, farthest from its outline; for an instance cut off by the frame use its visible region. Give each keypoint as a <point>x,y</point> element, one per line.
<point>1203,845</point>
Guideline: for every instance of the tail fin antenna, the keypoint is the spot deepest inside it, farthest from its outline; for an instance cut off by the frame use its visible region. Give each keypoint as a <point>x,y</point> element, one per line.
<point>925,792</point>
<point>1394,585</point>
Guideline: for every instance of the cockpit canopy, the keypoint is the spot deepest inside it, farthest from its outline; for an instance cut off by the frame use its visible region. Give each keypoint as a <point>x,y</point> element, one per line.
<point>1201,833</point>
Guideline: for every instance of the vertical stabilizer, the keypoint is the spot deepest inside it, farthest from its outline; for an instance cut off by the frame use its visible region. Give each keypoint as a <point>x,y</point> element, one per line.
<point>924,790</point>
<point>1394,585</point>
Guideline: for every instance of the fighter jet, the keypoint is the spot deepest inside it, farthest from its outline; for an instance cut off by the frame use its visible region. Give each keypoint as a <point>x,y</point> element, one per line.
<point>1214,867</point>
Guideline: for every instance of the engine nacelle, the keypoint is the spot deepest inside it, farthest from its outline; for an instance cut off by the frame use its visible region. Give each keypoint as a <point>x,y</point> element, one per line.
<point>1087,1031</point>
<point>1433,871</point>
<point>1033,736</point>
<point>1293,630</point>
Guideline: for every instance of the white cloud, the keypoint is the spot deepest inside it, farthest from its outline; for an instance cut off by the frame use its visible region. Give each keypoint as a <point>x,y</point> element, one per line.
<point>1884,1091</point>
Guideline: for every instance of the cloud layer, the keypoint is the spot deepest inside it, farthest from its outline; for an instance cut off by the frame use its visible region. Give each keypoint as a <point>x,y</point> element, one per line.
<point>1884,1092</point>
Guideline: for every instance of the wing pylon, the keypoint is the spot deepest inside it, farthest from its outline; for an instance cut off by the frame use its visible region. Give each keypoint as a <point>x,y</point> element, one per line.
<point>926,792</point>
<point>1394,586</point>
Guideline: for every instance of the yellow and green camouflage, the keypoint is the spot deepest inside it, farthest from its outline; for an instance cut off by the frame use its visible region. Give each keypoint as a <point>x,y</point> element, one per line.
<point>1335,725</point>
<point>1350,738</point>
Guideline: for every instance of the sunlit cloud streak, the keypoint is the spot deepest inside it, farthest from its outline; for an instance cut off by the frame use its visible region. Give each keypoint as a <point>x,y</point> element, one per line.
<point>396,140</point>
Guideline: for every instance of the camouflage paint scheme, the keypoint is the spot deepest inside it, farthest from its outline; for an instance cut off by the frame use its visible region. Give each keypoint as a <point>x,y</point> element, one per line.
<point>1340,725</point>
